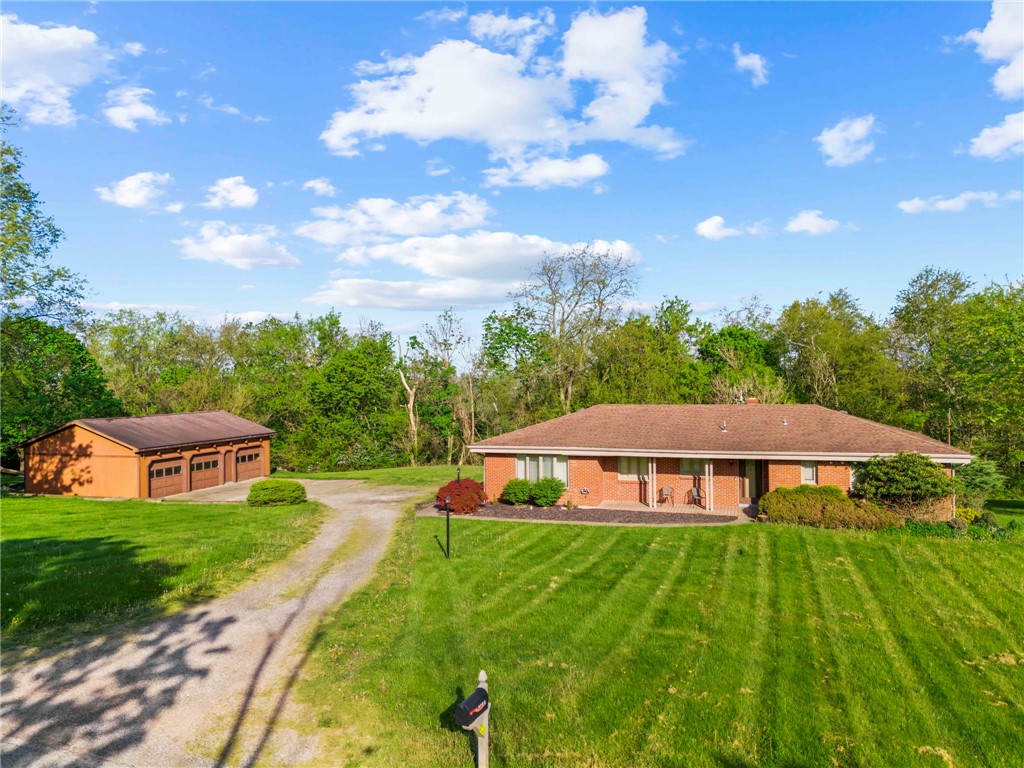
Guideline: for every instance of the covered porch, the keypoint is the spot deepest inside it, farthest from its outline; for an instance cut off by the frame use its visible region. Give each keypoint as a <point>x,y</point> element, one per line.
<point>670,508</point>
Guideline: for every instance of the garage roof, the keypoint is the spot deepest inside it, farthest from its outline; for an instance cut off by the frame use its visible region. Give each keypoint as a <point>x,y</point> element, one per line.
<point>718,430</point>
<point>171,430</point>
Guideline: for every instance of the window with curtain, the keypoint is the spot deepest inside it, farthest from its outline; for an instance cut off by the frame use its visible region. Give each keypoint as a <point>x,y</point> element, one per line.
<point>533,468</point>
<point>694,467</point>
<point>809,472</point>
<point>632,467</point>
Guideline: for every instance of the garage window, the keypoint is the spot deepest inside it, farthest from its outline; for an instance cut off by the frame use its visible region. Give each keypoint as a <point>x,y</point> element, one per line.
<point>165,472</point>
<point>245,458</point>
<point>201,465</point>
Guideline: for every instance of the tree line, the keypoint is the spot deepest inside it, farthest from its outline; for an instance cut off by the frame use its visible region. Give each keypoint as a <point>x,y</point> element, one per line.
<point>947,360</point>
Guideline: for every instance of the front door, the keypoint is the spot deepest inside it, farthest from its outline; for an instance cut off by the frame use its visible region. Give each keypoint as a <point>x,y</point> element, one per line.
<point>751,481</point>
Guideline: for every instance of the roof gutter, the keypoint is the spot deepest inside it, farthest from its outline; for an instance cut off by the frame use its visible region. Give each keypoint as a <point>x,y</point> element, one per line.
<point>942,458</point>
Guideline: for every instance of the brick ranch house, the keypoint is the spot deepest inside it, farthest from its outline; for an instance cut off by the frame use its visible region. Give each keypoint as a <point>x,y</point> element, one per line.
<point>718,457</point>
<point>146,456</point>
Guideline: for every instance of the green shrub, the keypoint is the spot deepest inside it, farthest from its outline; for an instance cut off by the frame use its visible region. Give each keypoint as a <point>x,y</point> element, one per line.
<point>904,482</point>
<point>987,520</point>
<point>824,506</point>
<point>547,491</point>
<point>967,514</point>
<point>273,493</point>
<point>517,491</point>
<point>464,496</point>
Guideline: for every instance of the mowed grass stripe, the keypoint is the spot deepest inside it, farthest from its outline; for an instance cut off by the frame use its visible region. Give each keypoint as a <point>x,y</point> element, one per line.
<point>580,674</point>
<point>949,682</point>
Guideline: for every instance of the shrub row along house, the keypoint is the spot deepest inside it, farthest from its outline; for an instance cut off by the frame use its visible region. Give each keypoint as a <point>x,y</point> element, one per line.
<point>146,456</point>
<point>718,457</point>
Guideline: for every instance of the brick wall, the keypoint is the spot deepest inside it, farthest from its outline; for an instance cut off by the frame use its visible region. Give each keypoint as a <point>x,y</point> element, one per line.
<point>726,483</point>
<point>783,474</point>
<point>834,473</point>
<point>498,470</point>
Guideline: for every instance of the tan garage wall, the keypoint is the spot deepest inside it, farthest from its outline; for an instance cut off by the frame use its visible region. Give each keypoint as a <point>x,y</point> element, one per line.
<point>77,462</point>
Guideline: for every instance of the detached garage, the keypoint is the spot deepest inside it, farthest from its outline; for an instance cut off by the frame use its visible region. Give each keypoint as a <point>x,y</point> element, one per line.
<point>146,456</point>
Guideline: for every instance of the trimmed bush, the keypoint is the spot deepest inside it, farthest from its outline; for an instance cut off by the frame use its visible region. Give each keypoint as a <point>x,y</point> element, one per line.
<point>547,491</point>
<point>958,524</point>
<point>987,520</point>
<point>517,491</point>
<point>464,496</point>
<point>824,506</point>
<point>275,493</point>
<point>906,482</point>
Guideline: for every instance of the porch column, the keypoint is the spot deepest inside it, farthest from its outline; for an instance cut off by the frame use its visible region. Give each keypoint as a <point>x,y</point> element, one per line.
<point>711,485</point>
<point>652,500</point>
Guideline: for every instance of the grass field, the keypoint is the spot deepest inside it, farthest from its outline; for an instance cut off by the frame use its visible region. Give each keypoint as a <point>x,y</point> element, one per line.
<point>430,477</point>
<point>71,567</point>
<point>1006,510</point>
<point>733,646</point>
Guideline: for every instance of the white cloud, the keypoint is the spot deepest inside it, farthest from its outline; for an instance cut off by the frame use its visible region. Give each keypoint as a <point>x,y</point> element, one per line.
<point>136,191</point>
<point>409,294</point>
<point>475,269</point>
<point>228,109</point>
<point>753,63</point>
<point>523,33</point>
<point>713,228</point>
<point>117,306</point>
<point>848,141</point>
<point>231,192</point>
<point>444,15</point>
<point>134,49</point>
<point>811,222</point>
<point>437,167</point>
<point>1002,40</point>
<point>44,65</point>
<point>222,243</point>
<point>174,207</point>
<point>126,108</point>
<point>958,203</point>
<point>321,187</point>
<point>374,219</point>
<point>500,256</point>
<point>1000,142</point>
<point>520,108</point>
<point>544,172</point>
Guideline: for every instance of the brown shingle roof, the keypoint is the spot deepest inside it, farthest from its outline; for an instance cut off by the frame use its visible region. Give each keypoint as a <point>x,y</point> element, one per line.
<point>168,430</point>
<point>782,430</point>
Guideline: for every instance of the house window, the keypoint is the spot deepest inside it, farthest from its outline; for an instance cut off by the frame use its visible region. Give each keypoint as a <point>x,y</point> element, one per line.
<point>632,467</point>
<point>534,468</point>
<point>693,467</point>
<point>809,472</point>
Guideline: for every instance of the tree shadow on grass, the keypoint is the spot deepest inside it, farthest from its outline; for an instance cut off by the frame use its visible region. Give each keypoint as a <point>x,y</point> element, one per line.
<point>102,693</point>
<point>53,585</point>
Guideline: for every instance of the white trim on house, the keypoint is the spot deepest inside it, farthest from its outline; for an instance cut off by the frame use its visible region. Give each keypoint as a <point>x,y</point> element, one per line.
<point>778,456</point>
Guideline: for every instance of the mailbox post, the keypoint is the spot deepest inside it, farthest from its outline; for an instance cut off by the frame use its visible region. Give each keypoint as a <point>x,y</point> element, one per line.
<point>474,714</point>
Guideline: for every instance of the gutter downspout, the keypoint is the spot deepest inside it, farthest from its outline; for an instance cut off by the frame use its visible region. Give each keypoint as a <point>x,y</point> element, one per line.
<point>711,485</point>
<point>652,501</point>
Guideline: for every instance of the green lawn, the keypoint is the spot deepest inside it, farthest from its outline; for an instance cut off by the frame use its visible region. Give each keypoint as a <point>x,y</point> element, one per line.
<point>731,646</point>
<point>1006,510</point>
<point>71,567</point>
<point>431,477</point>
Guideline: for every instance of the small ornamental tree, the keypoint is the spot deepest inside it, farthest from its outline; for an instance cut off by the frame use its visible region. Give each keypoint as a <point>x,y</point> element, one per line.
<point>903,482</point>
<point>517,491</point>
<point>979,480</point>
<point>464,496</point>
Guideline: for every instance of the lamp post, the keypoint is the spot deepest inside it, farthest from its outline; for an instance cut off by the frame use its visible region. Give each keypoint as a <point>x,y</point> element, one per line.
<point>447,528</point>
<point>458,474</point>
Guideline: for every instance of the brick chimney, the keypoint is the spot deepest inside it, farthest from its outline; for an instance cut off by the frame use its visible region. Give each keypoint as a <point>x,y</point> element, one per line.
<point>752,401</point>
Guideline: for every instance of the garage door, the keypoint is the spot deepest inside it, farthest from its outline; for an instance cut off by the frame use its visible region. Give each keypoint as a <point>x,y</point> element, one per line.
<point>205,472</point>
<point>165,478</point>
<point>248,464</point>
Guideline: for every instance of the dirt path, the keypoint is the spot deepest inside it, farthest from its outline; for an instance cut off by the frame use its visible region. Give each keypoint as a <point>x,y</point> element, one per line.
<point>205,686</point>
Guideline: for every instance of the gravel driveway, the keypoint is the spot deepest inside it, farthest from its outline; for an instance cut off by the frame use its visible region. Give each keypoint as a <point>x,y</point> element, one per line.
<point>207,685</point>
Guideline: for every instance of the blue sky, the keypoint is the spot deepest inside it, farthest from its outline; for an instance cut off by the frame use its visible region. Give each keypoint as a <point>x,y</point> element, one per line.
<point>391,160</point>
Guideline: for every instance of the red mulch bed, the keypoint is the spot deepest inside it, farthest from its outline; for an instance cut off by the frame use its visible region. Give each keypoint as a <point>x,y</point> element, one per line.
<point>580,515</point>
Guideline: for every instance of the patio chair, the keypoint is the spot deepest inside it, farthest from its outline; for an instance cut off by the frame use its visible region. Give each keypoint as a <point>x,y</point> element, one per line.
<point>666,494</point>
<point>698,496</point>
